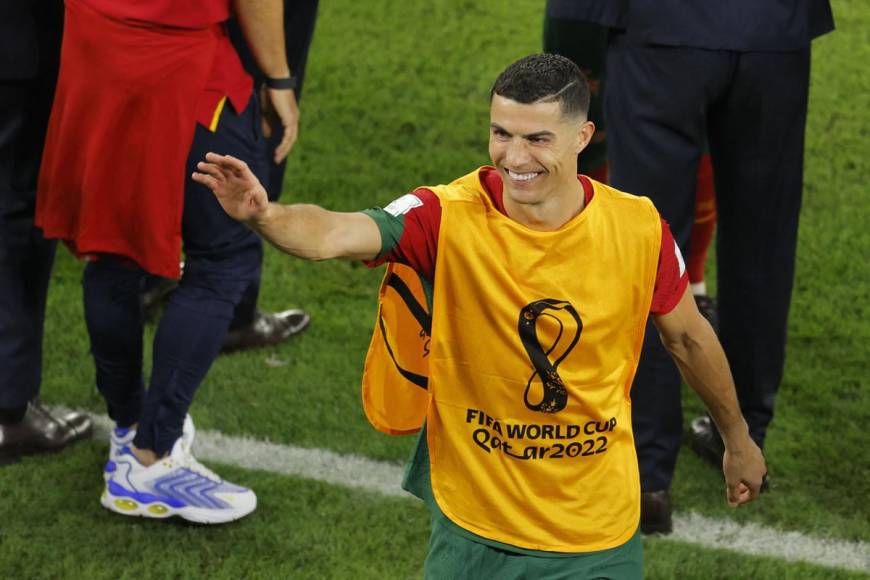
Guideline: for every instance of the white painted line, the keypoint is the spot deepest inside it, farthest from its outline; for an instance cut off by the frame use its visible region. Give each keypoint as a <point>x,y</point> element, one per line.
<point>757,540</point>
<point>320,464</point>
<point>383,477</point>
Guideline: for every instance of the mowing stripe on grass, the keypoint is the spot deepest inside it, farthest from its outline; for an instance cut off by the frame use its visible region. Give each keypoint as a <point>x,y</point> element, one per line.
<point>383,477</point>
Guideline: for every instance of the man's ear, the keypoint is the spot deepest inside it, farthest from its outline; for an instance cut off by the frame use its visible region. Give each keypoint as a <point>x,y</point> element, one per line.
<point>584,135</point>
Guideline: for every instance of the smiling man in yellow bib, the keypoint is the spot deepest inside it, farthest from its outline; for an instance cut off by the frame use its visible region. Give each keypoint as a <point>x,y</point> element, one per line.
<point>511,321</point>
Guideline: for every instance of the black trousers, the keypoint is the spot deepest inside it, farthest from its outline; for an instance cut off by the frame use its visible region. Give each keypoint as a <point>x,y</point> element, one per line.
<point>661,104</point>
<point>25,257</point>
<point>222,259</point>
<point>299,20</point>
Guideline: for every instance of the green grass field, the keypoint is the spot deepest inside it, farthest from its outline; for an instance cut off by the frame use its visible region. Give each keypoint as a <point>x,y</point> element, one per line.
<point>396,97</point>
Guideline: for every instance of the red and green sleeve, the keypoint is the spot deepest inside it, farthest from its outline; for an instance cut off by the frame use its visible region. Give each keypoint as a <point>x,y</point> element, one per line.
<point>409,229</point>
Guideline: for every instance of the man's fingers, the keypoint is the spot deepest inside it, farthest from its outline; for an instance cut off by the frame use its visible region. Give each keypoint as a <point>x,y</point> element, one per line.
<point>286,144</point>
<point>734,494</point>
<point>214,158</point>
<point>748,492</point>
<point>742,493</point>
<point>287,110</point>
<point>738,494</point>
<point>206,180</point>
<point>211,169</point>
<point>282,150</point>
<point>236,166</point>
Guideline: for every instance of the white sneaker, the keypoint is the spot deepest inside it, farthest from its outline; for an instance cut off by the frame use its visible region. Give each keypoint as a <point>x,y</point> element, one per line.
<point>119,437</point>
<point>177,485</point>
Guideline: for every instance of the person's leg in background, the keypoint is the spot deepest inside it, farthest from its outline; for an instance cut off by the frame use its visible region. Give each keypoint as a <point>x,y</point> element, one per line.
<point>757,151</point>
<point>251,326</point>
<point>222,257</point>
<point>26,259</point>
<point>655,139</point>
<point>25,256</point>
<point>586,45</point>
<point>111,287</point>
<point>701,237</point>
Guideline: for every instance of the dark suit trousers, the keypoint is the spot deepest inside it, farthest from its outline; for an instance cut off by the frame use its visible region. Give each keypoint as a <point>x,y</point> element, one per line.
<point>660,104</point>
<point>299,20</point>
<point>222,259</point>
<point>25,257</point>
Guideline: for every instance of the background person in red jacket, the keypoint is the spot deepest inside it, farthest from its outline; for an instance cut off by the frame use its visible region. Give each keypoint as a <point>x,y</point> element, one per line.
<point>141,87</point>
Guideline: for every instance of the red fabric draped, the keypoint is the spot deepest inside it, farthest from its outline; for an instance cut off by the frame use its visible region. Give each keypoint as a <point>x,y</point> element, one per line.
<point>112,176</point>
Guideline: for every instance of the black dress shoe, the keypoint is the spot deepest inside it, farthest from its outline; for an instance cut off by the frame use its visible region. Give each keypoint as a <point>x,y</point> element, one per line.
<point>655,512</point>
<point>40,432</point>
<point>707,308</point>
<point>266,329</point>
<point>705,441</point>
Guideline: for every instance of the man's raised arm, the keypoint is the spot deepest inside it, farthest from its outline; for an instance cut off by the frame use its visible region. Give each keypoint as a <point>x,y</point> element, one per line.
<point>307,231</point>
<point>696,349</point>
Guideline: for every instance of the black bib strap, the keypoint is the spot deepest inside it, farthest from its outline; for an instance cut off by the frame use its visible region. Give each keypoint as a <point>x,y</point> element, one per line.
<point>423,317</point>
<point>419,380</point>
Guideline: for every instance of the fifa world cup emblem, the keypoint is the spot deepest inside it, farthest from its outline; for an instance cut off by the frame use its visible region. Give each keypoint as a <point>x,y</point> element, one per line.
<point>545,360</point>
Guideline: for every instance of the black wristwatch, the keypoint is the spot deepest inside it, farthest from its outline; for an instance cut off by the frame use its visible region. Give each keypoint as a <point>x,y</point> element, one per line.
<point>285,83</point>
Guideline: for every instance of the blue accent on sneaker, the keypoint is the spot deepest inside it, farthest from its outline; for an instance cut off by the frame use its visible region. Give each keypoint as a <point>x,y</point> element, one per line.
<point>110,467</point>
<point>146,498</point>
<point>193,489</point>
<point>121,431</point>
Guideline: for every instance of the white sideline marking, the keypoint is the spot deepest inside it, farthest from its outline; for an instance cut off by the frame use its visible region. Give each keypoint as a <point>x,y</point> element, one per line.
<point>757,540</point>
<point>385,478</point>
<point>320,464</point>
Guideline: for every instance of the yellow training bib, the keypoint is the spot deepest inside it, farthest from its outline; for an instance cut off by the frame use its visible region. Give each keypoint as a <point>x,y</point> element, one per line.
<point>535,342</point>
<point>528,356</point>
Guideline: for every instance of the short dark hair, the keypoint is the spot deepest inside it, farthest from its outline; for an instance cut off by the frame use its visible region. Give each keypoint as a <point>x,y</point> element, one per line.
<point>545,77</point>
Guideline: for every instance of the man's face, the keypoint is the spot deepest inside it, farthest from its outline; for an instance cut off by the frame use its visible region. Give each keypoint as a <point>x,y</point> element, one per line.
<point>534,147</point>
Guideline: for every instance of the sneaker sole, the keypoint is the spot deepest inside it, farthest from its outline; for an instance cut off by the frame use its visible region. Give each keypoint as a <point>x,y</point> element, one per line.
<point>157,510</point>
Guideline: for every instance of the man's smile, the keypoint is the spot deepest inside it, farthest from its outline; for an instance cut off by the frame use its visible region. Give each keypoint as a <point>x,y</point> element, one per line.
<point>527,176</point>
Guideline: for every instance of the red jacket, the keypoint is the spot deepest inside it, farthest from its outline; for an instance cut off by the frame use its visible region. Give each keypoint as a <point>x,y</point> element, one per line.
<point>134,79</point>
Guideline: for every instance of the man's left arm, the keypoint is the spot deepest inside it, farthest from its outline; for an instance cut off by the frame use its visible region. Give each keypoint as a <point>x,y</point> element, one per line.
<point>695,348</point>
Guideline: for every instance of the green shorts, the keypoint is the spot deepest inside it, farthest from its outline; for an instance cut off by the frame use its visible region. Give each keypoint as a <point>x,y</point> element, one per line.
<point>455,557</point>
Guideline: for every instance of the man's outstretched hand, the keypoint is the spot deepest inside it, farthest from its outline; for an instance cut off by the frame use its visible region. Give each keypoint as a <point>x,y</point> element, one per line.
<point>237,189</point>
